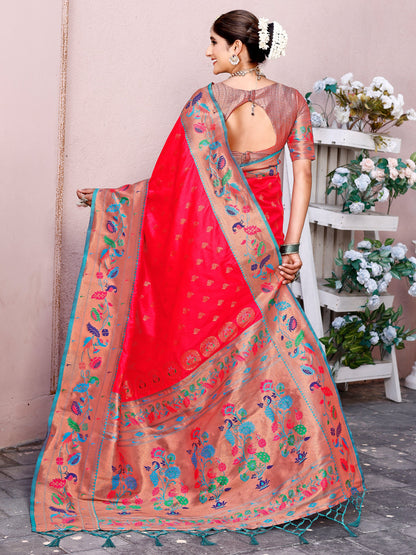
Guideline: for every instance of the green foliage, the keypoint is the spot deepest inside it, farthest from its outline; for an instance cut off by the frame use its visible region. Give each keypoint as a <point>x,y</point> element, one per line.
<point>353,338</point>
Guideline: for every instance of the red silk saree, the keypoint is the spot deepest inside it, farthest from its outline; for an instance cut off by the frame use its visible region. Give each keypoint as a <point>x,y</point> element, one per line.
<point>193,393</point>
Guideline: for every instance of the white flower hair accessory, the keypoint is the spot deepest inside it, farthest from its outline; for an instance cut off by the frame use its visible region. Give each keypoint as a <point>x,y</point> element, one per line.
<point>279,38</point>
<point>264,36</point>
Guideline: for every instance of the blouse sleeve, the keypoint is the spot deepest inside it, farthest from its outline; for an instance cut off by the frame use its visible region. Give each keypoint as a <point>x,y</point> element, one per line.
<point>300,140</point>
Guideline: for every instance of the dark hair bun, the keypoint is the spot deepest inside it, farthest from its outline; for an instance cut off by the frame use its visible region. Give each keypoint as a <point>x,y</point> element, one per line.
<point>243,25</point>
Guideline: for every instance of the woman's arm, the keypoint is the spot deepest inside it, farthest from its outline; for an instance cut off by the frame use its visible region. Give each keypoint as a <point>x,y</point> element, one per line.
<point>85,195</point>
<point>291,263</point>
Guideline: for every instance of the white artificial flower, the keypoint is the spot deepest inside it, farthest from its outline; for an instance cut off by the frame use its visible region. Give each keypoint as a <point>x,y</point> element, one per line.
<point>407,172</point>
<point>374,338</point>
<point>317,120</point>
<point>412,259</point>
<point>392,162</point>
<point>411,114</point>
<point>345,79</point>
<point>376,269</point>
<point>353,255</point>
<point>318,86</point>
<point>382,286</point>
<point>370,286</point>
<point>357,207</point>
<point>364,245</point>
<point>387,277</point>
<point>388,335</point>
<point>342,115</point>
<point>412,179</point>
<point>338,323</point>
<point>357,85</point>
<point>412,290</point>
<point>330,81</point>
<point>398,104</point>
<point>338,284</point>
<point>414,277</point>
<point>399,251</point>
<point>382,84</point>
<point>363,276</point>
<point>383,194</point>
<point>362,328</point>
<point>387,101</point>
<point>374,302</point>
<point>338,179</point>
<point>411,164</point>
<point>362,182</point>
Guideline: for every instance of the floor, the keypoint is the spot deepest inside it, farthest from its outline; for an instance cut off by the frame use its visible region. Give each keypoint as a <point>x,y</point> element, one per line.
<point>385,436</point>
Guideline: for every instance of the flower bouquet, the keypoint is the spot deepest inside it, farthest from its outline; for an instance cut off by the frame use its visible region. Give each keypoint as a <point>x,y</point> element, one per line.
<point>364,181</point>
<point>351,105</point>
<point>353,338</point>
<point>371,268</point>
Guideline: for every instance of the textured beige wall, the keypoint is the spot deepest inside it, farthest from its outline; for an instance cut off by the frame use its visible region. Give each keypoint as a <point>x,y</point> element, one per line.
<point>131,67</point>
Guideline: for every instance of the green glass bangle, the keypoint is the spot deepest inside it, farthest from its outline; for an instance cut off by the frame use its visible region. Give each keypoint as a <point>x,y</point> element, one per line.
<point>289,249</point>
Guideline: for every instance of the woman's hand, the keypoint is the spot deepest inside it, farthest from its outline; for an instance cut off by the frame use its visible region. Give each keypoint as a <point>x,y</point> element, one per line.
<point>85,196</point>
<point>291,264</point>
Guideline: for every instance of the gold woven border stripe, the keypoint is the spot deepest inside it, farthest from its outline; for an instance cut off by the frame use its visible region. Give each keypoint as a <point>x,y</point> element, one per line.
<point>59,201</point>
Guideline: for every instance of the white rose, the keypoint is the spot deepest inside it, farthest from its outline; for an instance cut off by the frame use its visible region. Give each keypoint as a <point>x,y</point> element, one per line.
<point>357,85</point>
<point>412,259</point>
<point>394,174</point>
<point>330,81</point>
<point>382,84</point>
<point>362,328</point>
<point>383,194</point>
<point>386,101</point>
<point>374,338</point>
<point>338,323</point>
<point>370,286</point>
<point>353,255</point>
<point>388,335</point>
<point>363,276</point>
<point>317,120</point>
<point>382,286</point>
<point>376,269</point>
<point>357,207</point>
<point>412,179</point>
<point>342,115</point>
<point>362,182</point>
<point>392,162</point>
<point>345,79</point>
<point>387,277</point>
<point>411,115</point>
<point>364,245</point>
<point>318,86</point>
<point>399,251</point>
<point>374,302</point>
<point>412,290</point>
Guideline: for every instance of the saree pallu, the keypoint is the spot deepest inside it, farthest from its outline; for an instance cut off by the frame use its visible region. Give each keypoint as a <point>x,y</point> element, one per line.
<point>193,393</point>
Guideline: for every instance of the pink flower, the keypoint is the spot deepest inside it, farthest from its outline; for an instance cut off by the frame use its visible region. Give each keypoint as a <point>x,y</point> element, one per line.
<point>407,172</point>
<point>125,502</point>
<point>155,491</point>
<point>377,174</point>
<point>234,451</point>
<point>274,427</point>
<point>99,275</point>
<point>394,174</point>
<point>138,500</point>
<point>59,460</point>
<point>172,493</point>
<point>246,209</point>
<point>367,165</point>
<point>392,162</point>
<point>324,483</point>
<point>262,442</point>
<point>222,467</point>
<point>251,449</point>
<point>184,489</point>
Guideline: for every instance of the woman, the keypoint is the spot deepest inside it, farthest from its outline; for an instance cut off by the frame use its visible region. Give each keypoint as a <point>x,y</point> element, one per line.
<point>193,394</point>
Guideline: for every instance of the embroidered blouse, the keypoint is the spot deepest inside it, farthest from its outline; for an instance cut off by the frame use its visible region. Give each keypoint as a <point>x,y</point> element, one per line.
<point>288,112</point>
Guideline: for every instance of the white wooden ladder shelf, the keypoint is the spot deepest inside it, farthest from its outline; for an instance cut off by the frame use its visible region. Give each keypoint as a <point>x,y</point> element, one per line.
<point>326,230</point>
